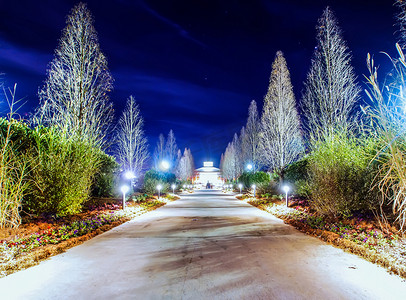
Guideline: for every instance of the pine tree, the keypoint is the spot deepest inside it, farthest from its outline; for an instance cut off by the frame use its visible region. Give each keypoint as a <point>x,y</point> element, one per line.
<point>330,89</point>
<point>280,139</point>
<point>74,96</point>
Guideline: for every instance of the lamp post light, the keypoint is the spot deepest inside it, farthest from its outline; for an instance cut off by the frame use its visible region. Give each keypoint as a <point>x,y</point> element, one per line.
<point>130,176</point>
<point>124,190</point>
<point>164,165</point>
<point>240,186</point>
<point>286,190</point>
<point>250,167</point>
<point>159,187</point>
<point>254,188</point>
<point>173,186</point>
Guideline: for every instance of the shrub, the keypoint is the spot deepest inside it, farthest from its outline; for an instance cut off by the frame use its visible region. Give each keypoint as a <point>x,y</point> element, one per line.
<point>261,179</point>
<point>338,173</point>
<point>62,172</point>
<point>153,177</point>
<point>105,179</point>
<point>296,175</point>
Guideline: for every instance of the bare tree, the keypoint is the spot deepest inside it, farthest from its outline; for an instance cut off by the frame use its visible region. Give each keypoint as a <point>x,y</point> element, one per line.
<point>171,149</point>
<point>280,139</point>
<point>74,96</point>
<point>185,168</point>
<point>330,89</point>
<point>250,139</point>
<point>132,146</point>
<point>159,152</point>
<point>230,163</point>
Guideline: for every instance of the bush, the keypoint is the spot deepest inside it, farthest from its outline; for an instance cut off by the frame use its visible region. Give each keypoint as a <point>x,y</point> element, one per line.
<point>153,177</point>
<point>296,175</point>
<point>261,179</point>
<point>105,179</point>
<point>339,179</point>
<point>62,172</point>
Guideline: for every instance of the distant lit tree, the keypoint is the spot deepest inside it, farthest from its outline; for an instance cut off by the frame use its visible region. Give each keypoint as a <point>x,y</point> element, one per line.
<point>185,168</point>
<point>75,94</point>
<point>330,89</point>
<point>250,138</point>
<point>132,147</point>
<point>230,163</point>
<point>171,149</point>
<point>280,139</point>
<point>159,152</point>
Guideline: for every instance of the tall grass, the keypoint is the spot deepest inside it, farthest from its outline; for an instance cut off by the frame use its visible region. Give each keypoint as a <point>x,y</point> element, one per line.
<point>387,122</point>
<point>12,171</point>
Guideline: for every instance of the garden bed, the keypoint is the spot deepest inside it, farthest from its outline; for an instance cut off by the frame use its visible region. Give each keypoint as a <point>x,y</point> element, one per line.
<point>357,235</point>
<point>39,238</point>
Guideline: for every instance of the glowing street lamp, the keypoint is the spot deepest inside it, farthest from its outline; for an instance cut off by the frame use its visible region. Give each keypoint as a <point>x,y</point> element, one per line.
<point>240,186</point>
<point>164,165</point>
<point>286,190</point>
<point>124,190</point>
<point>159,187</point>
<point>173,186</point>
<point>250,167</point>
<point>254,188</point>
<point>130,176</point>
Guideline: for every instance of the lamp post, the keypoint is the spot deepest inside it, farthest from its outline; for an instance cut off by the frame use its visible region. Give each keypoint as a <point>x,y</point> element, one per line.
<point>240,186</point>
<point>124,190</point>
<point>173,186</point>
<point>250,167</point>
<point>159,187</point>
<point>286,190</point>
<point>254,188</point>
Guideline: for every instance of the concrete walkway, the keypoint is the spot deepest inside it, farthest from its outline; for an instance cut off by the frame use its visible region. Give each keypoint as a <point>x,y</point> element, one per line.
<point>204,246</point>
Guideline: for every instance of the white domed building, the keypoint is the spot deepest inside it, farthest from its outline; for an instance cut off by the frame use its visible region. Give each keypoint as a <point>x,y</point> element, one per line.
<point>208,175</point>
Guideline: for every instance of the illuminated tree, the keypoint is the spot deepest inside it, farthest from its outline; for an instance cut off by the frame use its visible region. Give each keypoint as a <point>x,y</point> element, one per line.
<point>185,168</point>
<point>132,147</point>
<point>159,152</point>
<point>171,149</point>
<point>230,163</point>
<point>250,138</point>
<point>330,89</point>
<point>74,96</point>
<point>280,138</point>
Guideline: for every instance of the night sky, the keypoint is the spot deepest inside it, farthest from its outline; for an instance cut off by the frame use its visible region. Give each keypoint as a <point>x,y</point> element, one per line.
<point>193,66</point>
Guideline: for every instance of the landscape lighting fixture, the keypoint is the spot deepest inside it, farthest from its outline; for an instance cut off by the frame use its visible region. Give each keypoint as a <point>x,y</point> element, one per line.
<point>286,190</point>
<point>124,190</point>
<point>159,187</point>
<point>240,186</point>
<point>254,188</point>
<point>173,186</point>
